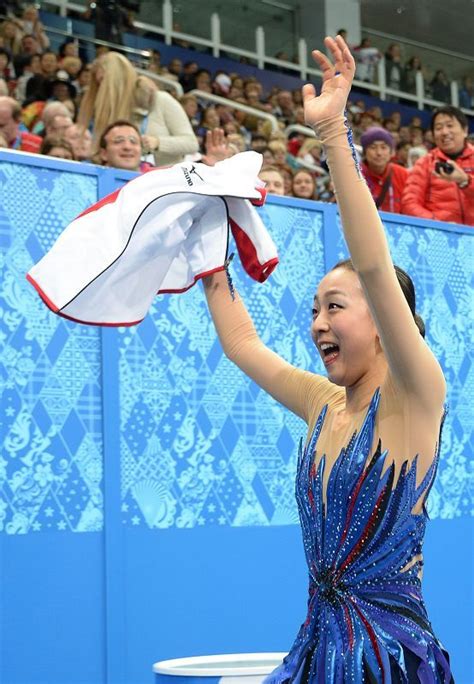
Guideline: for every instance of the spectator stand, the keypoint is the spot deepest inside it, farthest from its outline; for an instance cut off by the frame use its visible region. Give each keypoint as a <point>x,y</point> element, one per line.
<point>432,58</point>
<point>220,50</point>
<point>137,49</point>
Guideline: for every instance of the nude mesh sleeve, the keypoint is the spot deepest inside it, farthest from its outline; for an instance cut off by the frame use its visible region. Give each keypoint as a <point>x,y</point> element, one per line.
<point>409,358</point>
<point>298,390</point>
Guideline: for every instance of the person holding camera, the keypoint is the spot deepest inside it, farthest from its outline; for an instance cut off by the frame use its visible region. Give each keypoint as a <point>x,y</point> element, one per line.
<point>440,185</point>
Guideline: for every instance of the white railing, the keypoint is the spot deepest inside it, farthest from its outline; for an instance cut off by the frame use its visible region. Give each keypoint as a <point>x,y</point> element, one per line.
<point>418,44</point>
<point>301,69</point>
<point>299,128</point>
<point>218,99</point>
<point>169,83</point>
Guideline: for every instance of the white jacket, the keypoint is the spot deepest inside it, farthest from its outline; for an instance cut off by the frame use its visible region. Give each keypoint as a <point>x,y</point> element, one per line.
<point>159,233</point>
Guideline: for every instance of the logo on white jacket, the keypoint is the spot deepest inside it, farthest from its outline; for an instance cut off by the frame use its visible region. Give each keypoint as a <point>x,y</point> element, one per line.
<point>187,175</point>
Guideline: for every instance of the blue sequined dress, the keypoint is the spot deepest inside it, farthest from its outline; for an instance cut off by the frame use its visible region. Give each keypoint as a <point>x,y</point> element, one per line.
<point>366,620</point>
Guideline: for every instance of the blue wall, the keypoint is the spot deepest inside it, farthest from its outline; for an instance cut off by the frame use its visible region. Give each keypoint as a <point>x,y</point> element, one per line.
<point>146,486</point>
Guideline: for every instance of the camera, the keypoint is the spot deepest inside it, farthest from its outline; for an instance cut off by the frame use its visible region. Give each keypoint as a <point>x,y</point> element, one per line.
<point>443,166</point>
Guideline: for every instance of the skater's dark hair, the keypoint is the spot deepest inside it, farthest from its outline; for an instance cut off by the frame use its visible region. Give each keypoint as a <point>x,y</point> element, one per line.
<point>405,282</point>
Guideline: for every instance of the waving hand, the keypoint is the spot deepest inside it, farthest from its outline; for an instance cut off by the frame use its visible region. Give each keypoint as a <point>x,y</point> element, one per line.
<point>337,81</point>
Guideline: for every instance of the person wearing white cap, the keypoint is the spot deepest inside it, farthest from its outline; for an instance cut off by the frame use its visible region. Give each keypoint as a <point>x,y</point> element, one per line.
<point>222,84</point>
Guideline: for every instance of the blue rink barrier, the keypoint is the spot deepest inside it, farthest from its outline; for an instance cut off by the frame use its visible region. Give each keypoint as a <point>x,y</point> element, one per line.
<point>146,485</point>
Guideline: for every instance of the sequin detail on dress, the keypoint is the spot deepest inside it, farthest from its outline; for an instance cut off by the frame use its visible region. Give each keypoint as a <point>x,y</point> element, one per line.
<point>366,620</point>
<point>350,140</point>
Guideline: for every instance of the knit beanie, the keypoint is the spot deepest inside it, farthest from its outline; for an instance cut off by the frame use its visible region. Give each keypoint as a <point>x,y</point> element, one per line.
<point>375,133</point>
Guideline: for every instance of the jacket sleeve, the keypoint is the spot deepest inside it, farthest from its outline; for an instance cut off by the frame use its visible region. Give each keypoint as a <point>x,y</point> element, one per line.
<point>468,192</point>
<point>180,139</point>
<point>413,198</point>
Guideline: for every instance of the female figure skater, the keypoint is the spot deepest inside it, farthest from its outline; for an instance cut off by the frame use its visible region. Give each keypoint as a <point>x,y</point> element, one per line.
<point>373,436</point>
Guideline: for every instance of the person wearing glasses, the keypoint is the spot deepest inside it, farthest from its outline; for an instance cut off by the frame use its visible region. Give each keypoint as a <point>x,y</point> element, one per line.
<point>120,146</point>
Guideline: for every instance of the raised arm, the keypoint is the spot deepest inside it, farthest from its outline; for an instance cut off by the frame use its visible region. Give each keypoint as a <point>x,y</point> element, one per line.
<point>296,389</point>
<point>412,365</point>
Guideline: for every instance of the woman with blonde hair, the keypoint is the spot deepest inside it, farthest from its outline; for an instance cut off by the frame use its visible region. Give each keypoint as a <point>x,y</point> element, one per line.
<point>116,91</point>
<point>279,151</point>
<point>10,36</point>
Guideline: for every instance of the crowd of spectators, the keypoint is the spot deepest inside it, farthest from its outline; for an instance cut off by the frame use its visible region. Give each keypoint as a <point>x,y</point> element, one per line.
<point>401,74</point>
<point>105,112</point>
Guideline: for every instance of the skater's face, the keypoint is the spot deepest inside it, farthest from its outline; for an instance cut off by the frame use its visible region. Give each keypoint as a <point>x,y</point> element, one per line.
<point>343,329</point>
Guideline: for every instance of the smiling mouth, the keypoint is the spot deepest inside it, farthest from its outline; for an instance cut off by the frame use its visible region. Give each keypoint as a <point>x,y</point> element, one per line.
<point>330,353</point>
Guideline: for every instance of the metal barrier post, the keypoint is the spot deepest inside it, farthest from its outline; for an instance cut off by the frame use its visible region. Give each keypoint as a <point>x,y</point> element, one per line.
<point>216,34</point>
<point>260,47</point>
<point>454,93</point>
<point>381,78</point>
<point>303,58</point>
<point>420,89</point>
<point>168,20</point>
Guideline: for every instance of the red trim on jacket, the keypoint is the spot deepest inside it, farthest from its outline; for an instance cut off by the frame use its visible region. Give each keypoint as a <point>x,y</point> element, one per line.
<point>248,255</point>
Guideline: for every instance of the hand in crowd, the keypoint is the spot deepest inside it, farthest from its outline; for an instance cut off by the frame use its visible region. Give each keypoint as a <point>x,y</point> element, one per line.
<point>150,144</point>
<point>217,148</point>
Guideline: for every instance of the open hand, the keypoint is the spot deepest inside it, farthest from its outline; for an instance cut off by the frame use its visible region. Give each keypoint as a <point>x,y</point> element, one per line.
<point>337,81</point>
<point>217,148</point>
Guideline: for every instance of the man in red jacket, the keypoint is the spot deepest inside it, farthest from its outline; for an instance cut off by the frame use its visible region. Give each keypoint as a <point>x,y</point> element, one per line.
<point>385,179</point>
<point>441,184</point>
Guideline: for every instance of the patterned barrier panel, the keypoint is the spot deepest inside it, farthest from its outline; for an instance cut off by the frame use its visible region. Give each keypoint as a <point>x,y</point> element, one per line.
<point>51,402</point>
<point>200,443</point>
<point>186,440</point>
